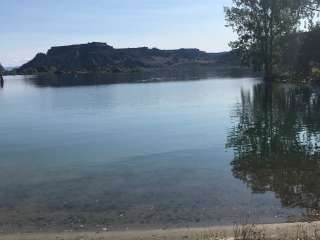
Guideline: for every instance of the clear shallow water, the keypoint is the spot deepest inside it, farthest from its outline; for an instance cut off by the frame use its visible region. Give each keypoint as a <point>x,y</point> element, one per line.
<point>81,155</point>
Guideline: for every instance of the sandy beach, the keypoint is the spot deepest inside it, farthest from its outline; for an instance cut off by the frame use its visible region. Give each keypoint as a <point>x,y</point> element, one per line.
<point>268,231</point>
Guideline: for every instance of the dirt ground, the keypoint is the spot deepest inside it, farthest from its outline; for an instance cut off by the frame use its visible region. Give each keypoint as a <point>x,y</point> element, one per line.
<point>268,231</point>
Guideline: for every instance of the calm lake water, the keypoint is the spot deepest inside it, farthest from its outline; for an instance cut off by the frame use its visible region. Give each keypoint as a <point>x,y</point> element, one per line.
<point>78,153</point>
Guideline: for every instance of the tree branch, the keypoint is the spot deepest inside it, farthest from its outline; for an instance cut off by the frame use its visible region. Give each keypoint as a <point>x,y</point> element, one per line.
<point>313,9</point>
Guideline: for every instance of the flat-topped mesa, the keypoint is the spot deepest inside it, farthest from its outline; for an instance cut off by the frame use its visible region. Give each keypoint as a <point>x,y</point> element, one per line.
<point>101,57</point>
<point>94,46</point>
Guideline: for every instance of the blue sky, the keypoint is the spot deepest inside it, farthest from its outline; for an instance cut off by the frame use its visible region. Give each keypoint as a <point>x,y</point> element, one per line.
<point>31,26</point>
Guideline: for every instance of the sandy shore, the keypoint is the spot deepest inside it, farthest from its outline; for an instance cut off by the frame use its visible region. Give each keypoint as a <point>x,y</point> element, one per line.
<point>272,231</point>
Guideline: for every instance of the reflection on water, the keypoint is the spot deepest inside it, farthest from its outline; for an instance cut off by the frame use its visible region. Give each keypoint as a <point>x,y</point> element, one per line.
<point>79,153</point>
<point>1,81</point>
<point>186,74</point>
<point>276,143</point>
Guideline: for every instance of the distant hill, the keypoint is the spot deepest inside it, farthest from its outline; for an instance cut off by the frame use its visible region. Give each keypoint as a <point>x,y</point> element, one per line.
<point>100,57</point>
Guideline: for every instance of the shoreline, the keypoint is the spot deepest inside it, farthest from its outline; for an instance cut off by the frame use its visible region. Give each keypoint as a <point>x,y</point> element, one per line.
<point>271,231</point>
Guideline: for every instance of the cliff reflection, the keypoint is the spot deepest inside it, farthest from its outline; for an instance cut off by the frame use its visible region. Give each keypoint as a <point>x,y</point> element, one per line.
<point>160,75</point>
<point>276,140</point>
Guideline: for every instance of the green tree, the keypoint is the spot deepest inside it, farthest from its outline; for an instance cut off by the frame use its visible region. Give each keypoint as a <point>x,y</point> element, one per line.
<point>261,26</point>
<point>312,11</point>
<point>309,53</point>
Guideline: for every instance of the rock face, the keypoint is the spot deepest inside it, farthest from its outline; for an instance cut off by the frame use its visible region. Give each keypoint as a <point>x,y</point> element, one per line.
<point>100,57</point>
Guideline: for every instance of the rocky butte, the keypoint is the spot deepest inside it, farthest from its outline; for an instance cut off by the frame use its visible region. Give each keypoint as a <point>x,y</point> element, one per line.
<point>100,57</point>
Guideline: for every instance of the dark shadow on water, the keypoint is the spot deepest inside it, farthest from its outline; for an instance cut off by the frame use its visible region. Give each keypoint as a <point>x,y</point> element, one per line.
<point>186,74</point>
<point>275,140</point>
<point>1,82</point>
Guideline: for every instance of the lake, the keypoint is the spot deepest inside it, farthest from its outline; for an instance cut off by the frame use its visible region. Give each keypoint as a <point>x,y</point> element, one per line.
<point>79,153</point>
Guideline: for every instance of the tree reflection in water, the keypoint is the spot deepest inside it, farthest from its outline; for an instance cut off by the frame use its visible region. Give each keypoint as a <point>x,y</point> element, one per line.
<point>276,143</point>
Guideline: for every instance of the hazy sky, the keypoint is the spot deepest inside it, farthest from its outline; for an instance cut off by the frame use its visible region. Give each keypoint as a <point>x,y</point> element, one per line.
<point>31,26</point>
